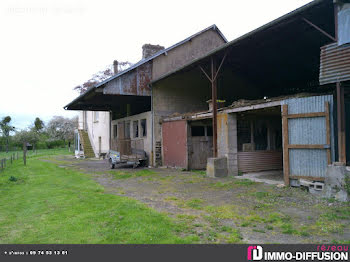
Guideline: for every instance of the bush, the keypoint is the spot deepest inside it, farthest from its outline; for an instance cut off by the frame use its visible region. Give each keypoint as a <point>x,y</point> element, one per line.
<point>347,183</point>
<point>55,144</point>
<point>12,179</point>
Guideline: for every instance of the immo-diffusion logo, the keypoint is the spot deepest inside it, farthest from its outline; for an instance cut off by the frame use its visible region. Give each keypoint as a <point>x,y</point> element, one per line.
<point>255,253</point>
<point>332,253</point>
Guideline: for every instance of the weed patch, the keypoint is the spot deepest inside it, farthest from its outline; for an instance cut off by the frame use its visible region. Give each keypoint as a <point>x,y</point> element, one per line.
<point>194,203</point>
<point>125,174</point>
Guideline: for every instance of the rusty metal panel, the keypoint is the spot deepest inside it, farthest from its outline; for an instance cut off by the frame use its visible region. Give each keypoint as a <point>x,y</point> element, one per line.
<point>174,135</point>
<point>134,82</point>
<point>256,161</point>
<point>334,64</point>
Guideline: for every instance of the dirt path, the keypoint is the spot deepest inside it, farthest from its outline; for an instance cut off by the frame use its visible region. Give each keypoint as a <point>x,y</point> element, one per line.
<point>226,210</point>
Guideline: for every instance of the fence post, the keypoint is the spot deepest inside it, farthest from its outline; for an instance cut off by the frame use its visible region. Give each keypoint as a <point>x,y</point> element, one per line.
<point>25,153</point>
<point>11,159</point>
<point>17,155</point>
<point>2,165</point>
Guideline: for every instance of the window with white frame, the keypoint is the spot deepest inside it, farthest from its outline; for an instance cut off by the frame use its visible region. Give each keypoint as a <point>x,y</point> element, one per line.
<point>127,129</point>
<point>135,127</point>
<point>115,131</point>
<point>143,127</point>
<point>96,116</point>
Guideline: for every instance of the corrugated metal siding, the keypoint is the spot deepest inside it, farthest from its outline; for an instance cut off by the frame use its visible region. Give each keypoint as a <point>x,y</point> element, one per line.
<point>305,131</point>
<point>309,162</point>
<point>259,161</point>
<point>334,64</point>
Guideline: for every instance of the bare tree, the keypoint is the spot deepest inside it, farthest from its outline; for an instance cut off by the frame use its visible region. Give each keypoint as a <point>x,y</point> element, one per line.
<point>61,128</point>
<point>101,76</point>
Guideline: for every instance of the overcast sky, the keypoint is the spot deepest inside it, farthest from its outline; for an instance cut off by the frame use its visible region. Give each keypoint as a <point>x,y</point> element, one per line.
<point>48,47</point>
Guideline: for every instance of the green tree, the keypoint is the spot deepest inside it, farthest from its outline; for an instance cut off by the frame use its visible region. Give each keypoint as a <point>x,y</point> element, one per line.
<point>38,125</point>
<point>26,136</point>
<point>6,129</point>
<point>35,132</point>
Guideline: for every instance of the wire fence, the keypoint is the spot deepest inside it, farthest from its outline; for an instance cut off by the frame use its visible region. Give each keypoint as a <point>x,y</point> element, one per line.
<point>8,158</point>
<point>5,161</point>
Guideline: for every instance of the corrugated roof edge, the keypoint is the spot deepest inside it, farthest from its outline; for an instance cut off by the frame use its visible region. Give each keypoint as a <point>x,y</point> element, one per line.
<point>142,61</point>
<point>273,22</point>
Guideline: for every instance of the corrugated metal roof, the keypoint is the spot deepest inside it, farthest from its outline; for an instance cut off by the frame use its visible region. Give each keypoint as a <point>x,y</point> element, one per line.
<point>334,64</point>
<point>246,36</point>
<point>143,61</point>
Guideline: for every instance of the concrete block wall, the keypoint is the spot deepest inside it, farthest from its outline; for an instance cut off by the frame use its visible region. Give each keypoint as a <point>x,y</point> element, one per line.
<point>187,52</point>
<point>227,141</point>
<point>174,96</point>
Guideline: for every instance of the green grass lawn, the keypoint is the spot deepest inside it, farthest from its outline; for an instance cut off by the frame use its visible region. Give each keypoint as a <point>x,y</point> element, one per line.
<point>43,203</point>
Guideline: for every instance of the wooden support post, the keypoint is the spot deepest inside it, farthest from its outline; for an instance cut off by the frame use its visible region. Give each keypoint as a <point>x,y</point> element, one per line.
<point>11,159</point>
<point>268,136</point>
<point>213,81</point>
<point>252,132</point>
<point>341,124</point>
<point>285,144</point>
<point>328,133</point>
<point>215,107</point>
<point>25,153</point>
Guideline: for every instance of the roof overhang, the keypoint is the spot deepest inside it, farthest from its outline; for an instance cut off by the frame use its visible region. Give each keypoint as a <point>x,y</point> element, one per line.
<point>132,82</point>
<point>108,96</point>
<point>283,52</point>
<point>97,101</point>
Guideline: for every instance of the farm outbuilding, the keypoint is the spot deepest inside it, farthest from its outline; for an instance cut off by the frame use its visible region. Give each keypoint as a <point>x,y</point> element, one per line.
<point>256,134</point>
<point>128,98</point>
<point>287,92</point>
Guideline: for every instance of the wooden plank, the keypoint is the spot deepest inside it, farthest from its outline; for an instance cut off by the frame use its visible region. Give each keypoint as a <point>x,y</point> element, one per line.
<point>309,146</point>
<point>252,107</point>
<point>328,132</point>
<point>303,115</point>
<point>307,178</point>
<point>285,144</point>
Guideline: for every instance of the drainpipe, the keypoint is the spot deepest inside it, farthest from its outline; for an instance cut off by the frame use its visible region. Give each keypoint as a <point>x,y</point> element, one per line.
<point>110,129</point>
<point>152,120</point>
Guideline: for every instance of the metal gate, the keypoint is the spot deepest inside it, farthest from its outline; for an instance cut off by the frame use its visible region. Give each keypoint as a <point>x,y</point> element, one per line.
<point>307,137</point>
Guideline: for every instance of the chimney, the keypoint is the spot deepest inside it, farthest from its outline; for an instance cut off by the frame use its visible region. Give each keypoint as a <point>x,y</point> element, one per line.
<point>148,50</point>
<point>115,67</point>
